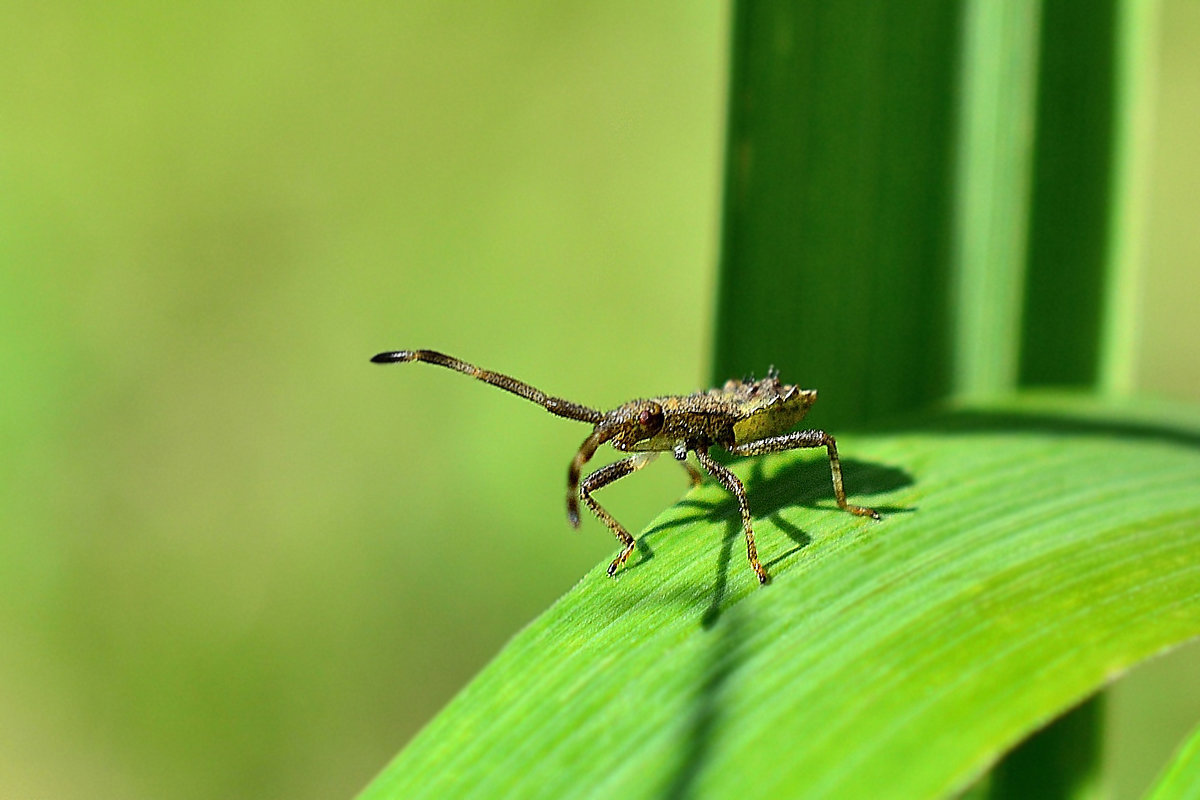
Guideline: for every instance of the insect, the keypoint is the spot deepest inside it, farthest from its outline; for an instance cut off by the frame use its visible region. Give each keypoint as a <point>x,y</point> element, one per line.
<point>746,418</point>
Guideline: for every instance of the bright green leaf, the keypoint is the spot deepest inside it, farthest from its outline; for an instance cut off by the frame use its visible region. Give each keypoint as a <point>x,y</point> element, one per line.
<point>1028,554</point>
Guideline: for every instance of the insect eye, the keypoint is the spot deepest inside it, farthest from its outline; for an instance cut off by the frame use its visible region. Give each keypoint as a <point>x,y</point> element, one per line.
<point>651,417</point>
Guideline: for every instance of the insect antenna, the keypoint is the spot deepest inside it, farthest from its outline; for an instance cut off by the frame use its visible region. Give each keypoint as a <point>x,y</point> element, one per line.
<point>555,405</point>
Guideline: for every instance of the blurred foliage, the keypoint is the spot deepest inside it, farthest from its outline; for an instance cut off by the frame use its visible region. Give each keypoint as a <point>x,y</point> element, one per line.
<point>236,560</point>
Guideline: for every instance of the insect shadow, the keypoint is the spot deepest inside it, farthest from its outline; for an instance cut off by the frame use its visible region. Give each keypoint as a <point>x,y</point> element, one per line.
<point>804,483</point>
<point>801,483</point>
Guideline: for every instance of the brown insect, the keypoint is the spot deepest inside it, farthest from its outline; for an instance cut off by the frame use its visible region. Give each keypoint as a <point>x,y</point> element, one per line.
<point>746,418</point>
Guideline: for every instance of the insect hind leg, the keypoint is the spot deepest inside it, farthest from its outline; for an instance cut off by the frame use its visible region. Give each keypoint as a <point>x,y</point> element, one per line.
<point>735,487</point>
<point>598,480</point>
<point>802,439</point>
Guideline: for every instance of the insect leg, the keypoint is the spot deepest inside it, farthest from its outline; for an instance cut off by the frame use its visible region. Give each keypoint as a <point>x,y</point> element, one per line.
<point>586,450</point>
<point>802,439</point>
<point>735,487</point>
<point>680,452</point>
<point>601,478</point>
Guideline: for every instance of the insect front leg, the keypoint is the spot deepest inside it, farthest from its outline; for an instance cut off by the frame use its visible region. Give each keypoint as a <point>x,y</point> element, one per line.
<point>601,478</point>
<point>735,487</point>
<point>799,440</point>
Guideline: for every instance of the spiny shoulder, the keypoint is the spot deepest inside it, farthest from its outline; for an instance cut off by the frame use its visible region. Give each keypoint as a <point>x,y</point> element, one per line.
<point>740,398</point>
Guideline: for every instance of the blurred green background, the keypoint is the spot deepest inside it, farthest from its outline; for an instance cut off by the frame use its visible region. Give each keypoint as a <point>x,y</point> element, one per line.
<point>235,558</point>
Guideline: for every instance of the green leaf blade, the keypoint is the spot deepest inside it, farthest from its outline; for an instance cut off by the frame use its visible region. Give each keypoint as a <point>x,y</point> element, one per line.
<point>838,210</point>
<point>1025,559</point>
<point>1181,779</point>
